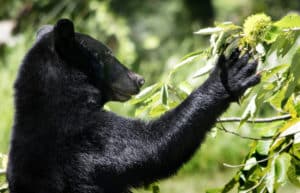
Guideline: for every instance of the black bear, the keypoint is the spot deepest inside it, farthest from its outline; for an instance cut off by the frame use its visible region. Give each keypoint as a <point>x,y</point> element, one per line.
<point>63,142</point>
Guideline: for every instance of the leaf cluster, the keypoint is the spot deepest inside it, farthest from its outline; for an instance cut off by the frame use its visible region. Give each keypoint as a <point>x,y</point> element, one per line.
<point>274,159</point>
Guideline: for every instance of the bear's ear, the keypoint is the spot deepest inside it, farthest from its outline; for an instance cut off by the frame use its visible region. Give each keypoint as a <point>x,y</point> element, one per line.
<point>64,34</point>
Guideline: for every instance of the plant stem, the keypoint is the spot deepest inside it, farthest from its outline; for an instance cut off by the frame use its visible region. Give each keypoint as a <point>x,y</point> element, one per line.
<point>256,120</point>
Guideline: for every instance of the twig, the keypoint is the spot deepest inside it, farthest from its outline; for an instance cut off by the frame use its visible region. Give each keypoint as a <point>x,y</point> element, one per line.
<point>257,120</point>
<point>245,137</point>
<point>259,161</point>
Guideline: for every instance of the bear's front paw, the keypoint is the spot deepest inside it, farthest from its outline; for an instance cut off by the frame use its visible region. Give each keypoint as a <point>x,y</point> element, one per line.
<point>237,74</point>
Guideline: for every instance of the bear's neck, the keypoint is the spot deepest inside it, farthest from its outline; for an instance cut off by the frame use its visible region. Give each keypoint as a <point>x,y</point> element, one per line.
<point>74,104</point>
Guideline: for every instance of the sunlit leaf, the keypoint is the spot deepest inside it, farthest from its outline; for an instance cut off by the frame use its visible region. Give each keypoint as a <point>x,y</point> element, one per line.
<point>207,68</point>
<point>270,72</point>
<point>271,35</point>
<point>295,74</point>
<point>145,93</point>
<point>250,109</point>
<point>277,98</point>
<point>214,190</point>
<point>293,129</point>
<point>213,132</point>
<point>184,62</point>
<point>4,161</point>
<point>231,184</point>
<point>260,49</point>
<point>263,147</point>
<point>186,87</point>
<point>282,164</point>
<point>209,30</point>
<point>4,186</point>
<point>220,43</point>
<point>289,21</point>
<point>158,110</point>
<point>284,43</point>
<point>140,110</point>
<point>250,163</point>
<point>148,103</point>
<point>290,107</point>
<point>192,54</point>
<point>270,177</point>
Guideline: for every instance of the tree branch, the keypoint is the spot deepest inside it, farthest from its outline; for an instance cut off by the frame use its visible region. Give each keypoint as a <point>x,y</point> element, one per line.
<point>257,120</point>
<point>246,137</point>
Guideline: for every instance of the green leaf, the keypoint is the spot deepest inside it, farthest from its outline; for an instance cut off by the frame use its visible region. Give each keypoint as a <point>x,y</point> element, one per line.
<point>277,99</point>
<point>186,87</point>
<point>184,62</point>
<point>295,76</point>
<point>290,107</point>
<point>220,43</point>
<point>158,110</point>
<point>281,167</point>
<point>164,94</point>
<point>3,187</point>
<point>192,54</point>
<point>270,176</point>
<point>250,163</point>
<point>140,110</point>
<point>263,147</point>
<point>271,35</point>
<point>284,43</point>
<point>3,164</point>
<point>297,108</point>
<point>145,93</point>
<point>233,45</point>
<point>250,109</point>
<point>294,172</point>
<point>289,21</point>
<point>148,103</point>
<point>207,68</point>
<point>214,190</point>
<point>202,71</point>
<point>271,72</point>
<point>209,31</point>
<point>230,185</point>
<point>260,49</point>
<point>220,27</point>
<point>295,150</point>
<point>228,25</point>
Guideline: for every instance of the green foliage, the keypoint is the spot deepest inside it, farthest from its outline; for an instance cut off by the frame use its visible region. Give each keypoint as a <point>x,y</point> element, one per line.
<point>3,164</point>
<point>274,157</point>
<point>149,27</point>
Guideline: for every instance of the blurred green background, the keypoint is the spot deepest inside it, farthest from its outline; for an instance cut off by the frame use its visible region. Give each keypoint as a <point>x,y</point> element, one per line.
<point>149,37</point>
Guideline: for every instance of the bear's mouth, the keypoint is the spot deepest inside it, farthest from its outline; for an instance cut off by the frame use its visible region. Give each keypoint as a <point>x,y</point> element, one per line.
<point>121,95</point>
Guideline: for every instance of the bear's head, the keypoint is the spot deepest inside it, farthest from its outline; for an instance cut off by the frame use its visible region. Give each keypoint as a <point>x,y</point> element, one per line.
<point>77,59</point>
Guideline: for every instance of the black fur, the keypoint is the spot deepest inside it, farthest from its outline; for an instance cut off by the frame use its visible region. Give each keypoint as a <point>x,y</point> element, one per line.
<point>63,142</point>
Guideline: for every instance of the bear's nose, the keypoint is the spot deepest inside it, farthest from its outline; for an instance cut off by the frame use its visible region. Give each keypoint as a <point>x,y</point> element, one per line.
<point>140,81</point>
